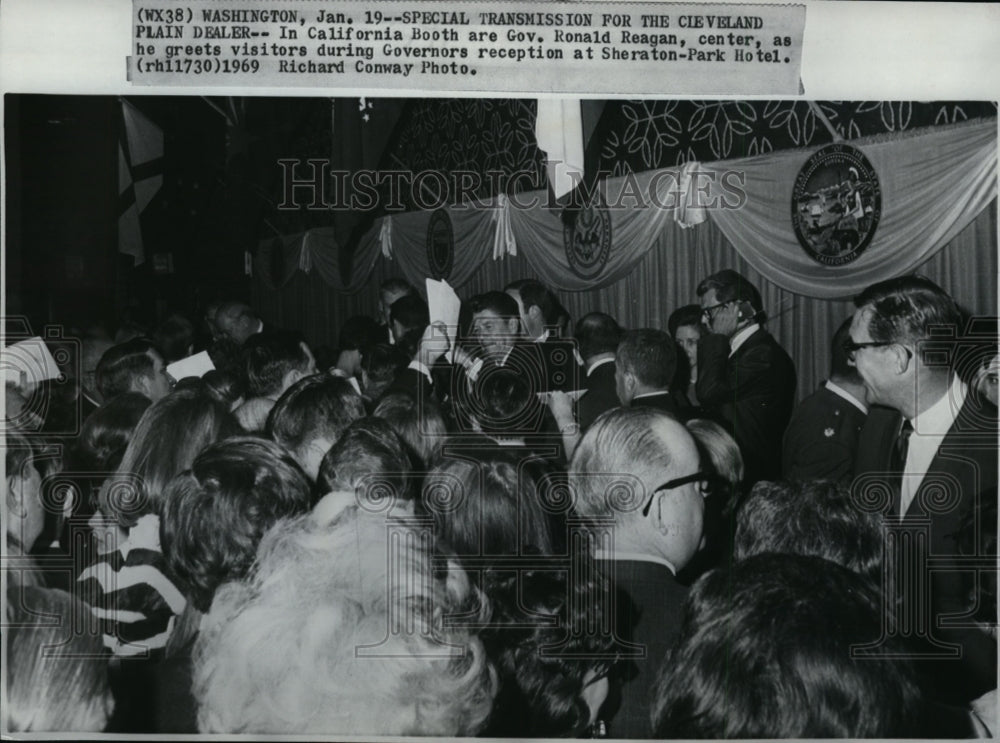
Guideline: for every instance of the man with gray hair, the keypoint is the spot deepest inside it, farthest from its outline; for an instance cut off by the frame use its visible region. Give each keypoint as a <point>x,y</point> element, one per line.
<point>636,473</point>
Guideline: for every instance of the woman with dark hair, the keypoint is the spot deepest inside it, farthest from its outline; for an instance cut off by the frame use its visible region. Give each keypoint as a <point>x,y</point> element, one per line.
<point>488,505</point>
<point>214,516</point>
<point>775,648</point>
<point>685,326</point>
<point>142,602</point>
<point>554,676</point>
<point>96,454</point>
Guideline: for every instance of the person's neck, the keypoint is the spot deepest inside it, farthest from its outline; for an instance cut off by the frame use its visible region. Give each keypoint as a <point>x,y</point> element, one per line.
<point>930,388</point>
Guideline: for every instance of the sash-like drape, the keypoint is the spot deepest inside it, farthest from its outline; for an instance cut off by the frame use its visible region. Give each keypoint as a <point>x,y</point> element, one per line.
<point>933,184</point>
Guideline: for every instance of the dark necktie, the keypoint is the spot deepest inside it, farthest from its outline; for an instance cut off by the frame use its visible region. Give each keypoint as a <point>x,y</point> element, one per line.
<point>898,461</point>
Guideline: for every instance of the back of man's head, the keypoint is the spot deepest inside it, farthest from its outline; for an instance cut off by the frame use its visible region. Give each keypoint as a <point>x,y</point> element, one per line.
<point>174,337</point>
<point>904,309</point>
<point>369,460</point>
<point>810,518</point>
<point>730,286</point>
<point>360,331</point>
<point>311,415</point>
<point>410,312</point>
<point>122,367</point>
<point>597,333</point>
<point>650,355</point>
<point>268,360</point>
<point>625,456</point>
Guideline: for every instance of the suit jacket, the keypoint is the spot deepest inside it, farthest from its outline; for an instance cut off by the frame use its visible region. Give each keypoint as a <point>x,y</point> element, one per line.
<point>965,470</point>
<point>648,610</point>
<point>753,392</point>
<point>821,440</point>
<point>600,395</point>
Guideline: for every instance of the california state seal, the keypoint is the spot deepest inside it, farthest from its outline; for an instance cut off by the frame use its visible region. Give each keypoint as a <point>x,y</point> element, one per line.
<point>836,204</point>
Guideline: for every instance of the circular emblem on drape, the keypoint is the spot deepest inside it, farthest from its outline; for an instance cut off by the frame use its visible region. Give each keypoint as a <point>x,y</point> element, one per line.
<point>836,205</point>
<point>587,240</point>
<point>440,244</point>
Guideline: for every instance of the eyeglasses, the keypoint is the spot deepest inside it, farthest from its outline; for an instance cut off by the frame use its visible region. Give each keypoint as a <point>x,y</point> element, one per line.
<point>704,477</point>
<point>851,348</point>
<point>707,313</point>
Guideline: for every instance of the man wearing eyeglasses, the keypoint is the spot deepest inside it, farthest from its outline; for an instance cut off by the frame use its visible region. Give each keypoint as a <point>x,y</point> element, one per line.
<point>745,379</point>
<point>636,475</point>
<point>935,457</point>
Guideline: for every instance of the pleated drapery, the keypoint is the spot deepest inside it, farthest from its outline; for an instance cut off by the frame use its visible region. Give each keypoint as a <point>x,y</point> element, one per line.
<point>938,218</point>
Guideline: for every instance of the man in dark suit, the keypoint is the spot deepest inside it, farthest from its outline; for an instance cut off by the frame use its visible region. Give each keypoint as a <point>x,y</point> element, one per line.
<point>645,367</point>
<point>931,455</point>
<point>597,338</point>
<point>745,379</point>
<point>648,536</point>
<point>822,438</point>
<point>539,311</point>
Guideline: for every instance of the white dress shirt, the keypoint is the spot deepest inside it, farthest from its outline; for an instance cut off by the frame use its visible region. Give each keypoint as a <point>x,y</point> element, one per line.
<point>929,428</point>
<point>740,337</point>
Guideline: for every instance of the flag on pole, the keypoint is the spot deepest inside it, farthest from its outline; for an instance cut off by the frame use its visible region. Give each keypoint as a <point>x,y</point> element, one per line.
<point>140,176</point>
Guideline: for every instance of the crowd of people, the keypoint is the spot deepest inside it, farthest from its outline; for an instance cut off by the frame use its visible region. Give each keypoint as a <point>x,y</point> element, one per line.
<point>529,525</point>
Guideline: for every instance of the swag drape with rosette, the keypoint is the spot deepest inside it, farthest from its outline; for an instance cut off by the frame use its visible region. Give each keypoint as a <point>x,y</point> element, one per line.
<point>934,183</point>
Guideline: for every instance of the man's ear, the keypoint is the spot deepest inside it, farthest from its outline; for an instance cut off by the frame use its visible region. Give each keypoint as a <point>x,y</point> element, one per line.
<point>143,385</point>
<point>902,358</point>
<point>535,313</point>
<point>629,380</point>
<point>513,325</point>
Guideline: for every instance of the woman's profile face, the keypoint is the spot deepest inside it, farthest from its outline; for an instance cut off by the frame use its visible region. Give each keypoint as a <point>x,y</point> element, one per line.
<point>687,337</point>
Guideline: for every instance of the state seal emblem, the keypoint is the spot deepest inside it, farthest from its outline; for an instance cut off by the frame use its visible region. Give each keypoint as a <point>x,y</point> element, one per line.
<point>440,244</point>
<point>587,240</point>
<point>836,204</point>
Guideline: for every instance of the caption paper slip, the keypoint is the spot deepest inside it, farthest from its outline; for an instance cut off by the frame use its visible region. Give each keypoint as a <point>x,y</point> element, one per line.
<point>444,306</point>
<point>28,362</point>
<point>192,366</point>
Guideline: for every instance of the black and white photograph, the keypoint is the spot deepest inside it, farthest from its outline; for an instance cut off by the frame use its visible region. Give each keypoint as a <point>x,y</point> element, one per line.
<point>506,416</point>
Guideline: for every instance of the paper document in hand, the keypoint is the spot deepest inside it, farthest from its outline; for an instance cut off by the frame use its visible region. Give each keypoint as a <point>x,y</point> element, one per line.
<point>574,395</point>
<point>192,366</point>
<point>444,306</point>
<point>28,362</point>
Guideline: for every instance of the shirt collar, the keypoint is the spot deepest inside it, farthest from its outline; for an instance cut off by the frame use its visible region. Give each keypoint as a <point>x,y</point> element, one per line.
<point>543,337</point>
<point>841,392</point>
<point>651,394</point>
<point>740,337</point>
<point>939,417</point>
<point>596,364</point>
<point>634,557</point>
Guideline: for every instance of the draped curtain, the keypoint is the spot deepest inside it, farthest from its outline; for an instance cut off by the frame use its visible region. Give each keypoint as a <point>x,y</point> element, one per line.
<point>938,218</point>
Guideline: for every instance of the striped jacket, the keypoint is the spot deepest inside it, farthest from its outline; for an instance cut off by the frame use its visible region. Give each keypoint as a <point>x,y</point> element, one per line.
<point>133,593</point>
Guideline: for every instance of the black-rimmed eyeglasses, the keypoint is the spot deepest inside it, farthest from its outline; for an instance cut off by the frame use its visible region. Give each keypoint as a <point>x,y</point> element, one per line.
<point>708,313</point>
<point>703,477</point>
